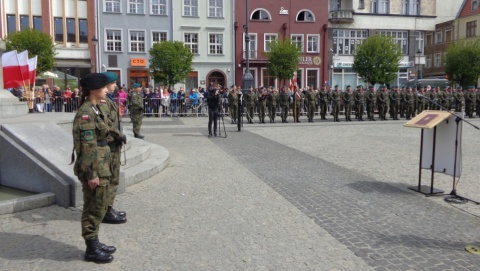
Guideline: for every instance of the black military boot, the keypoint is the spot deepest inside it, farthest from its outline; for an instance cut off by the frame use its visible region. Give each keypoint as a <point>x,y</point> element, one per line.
<point>112,218</point>
<point>105,248</point>
<point>120,213</point>
<point>138,135</point>
<point>95,254</point>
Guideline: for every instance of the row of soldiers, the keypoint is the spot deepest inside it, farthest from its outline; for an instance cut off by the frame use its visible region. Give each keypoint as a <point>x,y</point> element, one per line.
<point>403,102</point>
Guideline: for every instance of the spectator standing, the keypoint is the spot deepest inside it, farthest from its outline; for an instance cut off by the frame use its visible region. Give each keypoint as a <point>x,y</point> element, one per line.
<point>57,99</point>
<point>67,100</point>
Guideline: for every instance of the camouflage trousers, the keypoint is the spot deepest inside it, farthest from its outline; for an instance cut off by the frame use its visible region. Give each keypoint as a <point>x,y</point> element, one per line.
<point>115,156</point>
<point>95,204</point>
<point>233,111</point>
<point>262,111</point>
<point>272,111</point>
<point>311,110</point>
<point>284,113</point>
<point>137,118</point>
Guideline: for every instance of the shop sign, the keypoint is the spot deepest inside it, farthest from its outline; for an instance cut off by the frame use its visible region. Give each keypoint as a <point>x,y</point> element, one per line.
<point>138,62</point>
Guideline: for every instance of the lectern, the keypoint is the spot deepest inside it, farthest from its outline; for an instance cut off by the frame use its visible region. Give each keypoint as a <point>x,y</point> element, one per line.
<point>440,146</point>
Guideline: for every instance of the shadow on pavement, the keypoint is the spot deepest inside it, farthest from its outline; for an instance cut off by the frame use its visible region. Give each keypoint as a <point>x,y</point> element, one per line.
<point>381,187</point>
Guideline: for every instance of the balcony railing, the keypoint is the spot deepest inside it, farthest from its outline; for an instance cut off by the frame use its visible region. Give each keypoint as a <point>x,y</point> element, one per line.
<point>341,16</point>
<point>252,54</point>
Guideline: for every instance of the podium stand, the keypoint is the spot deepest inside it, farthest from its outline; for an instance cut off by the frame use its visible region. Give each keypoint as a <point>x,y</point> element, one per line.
<point>440,146</point>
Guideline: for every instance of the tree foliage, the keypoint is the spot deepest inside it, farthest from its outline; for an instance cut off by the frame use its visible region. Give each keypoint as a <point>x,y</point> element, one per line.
<point>377,59</point>
<point>283,59</point>
<point>37,43</point>
<point>170,62</point>
<point>462,62</point>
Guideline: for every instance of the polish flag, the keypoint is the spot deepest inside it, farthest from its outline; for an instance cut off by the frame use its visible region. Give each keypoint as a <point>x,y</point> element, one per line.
<point>12,75</point>
<point>23,63</point>
<point>32,69</point>
<point>293,81</point>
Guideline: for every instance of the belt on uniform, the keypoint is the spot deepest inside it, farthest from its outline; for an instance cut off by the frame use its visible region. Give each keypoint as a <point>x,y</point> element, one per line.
<point>102,143</point>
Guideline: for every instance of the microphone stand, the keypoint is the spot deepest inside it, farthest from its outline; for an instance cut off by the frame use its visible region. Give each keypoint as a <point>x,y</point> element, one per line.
<point>453,198</point>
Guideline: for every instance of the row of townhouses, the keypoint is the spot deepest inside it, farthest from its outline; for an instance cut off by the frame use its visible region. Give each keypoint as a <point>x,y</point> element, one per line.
<point>116,35</point>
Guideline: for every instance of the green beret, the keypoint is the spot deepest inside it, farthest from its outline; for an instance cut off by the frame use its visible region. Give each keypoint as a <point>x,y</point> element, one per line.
<point>111,76</point>
<point>370,86</point>
<point>136,85</point>
<point>471,87</point>
<point>93,81</point>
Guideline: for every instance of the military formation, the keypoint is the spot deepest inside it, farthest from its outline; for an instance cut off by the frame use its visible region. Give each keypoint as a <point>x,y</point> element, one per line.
<point>393,103</point>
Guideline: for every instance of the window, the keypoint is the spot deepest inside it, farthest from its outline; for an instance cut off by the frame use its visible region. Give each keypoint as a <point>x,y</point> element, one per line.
<point>438,37</point>
<point>114,40</point>
<point>268,39</point>
<point>58,28</point>
<point>82,31</point>
<point>300,78</point>
<point>448,35</point>
<point>112,6</point>
<point>361,4</point>
<point>419,41</point>
<point>191,41</point>
<point>428,63</point>
<point>400,37</point>
<point>137,41</point>
<point>305,16</point>
<point>215,8</point>
<point>260,14</point>
<point>37,23</point>
<point>268,80</point>
<point>298,40</point>
<point>190,7</point>
<point>24,22</point>
<point>11,23</point>
<point>159,36</point>
<point>345,41</point>
<point>252,46</point>
<point>474,4</point>
<point>380,6</point>
<point>429,39</point>
<point>136,7</point>
<point>159,7</point>
<point>71,30</point>
<point>215,44</point>
<point>312,78</point>
<point>471,29</point>
<point>438,59</point>
<point>411,7</point>
<point>313,43</point>
<point>335,5</point>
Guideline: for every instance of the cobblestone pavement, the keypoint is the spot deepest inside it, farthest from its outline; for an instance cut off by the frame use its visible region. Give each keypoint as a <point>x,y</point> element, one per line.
<point>206,211</point>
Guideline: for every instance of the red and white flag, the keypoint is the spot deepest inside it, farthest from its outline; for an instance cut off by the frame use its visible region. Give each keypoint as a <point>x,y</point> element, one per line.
<point>23,63</point>
<point>293,81</point>
<point>12,75</point>
<point>32,69</point>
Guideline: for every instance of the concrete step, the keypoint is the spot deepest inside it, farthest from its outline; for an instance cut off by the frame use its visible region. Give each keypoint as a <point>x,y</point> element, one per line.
<point>136,154</point>
<point>157,160</point>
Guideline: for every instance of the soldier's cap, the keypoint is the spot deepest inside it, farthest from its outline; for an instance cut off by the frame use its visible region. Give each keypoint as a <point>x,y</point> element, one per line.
<point>271,87</point>
<point>336,86</point>
<point>111,76</point>
<point>471,87</point>
<point>370,86</point>
<point>383,86</point>
<point>324,84</point>
<point>348,86</point>
<point>93,81</point>
<point>459,87</point>
<point>136,85</point>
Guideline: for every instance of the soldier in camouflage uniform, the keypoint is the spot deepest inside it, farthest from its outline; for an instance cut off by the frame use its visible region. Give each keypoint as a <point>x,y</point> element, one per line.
<point>370,100</point>
<point>250,99</point>
<point>347,101</point>
<point>233,104</point>
<point>262,104</point>
<point>115,141</point>
<point>272,104</point>
<point>311,98</point>
<point>469,101</point>
<point>284,100</point>
<point>323,101</point>
<point>92,166</point>
<point>394,103</point>
<point>458,97</point>
<point>136,109</point>
<point>421,101</point>
<point>335,97</point>
<point>382,98</point>
<point>409,99</point>
<point>297,106</point>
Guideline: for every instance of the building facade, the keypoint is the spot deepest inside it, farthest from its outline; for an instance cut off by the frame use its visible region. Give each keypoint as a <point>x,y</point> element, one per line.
<point>436,45</point>
<point>70,23</point>
<point>352,21</point>
<point>126,31</point>
<point>305,22</point>
<point>206,27</point>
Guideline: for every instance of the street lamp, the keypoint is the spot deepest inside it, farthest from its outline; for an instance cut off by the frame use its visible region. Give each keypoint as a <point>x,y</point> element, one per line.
<point>94,42</point>
<point>247,76</point>
<point>65,73</point>
<point>419,52</point>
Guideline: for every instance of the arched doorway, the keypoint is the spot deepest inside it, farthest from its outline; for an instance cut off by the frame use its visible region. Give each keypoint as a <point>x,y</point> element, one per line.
<point>216,78</point>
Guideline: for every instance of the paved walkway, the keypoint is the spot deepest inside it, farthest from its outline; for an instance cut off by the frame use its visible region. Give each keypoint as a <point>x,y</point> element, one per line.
<point>321,196</point>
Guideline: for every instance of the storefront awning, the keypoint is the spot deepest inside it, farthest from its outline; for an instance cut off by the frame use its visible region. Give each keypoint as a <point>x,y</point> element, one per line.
<point>73,63</point>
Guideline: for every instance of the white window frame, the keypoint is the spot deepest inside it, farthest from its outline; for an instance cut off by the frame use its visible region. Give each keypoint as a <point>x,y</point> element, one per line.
<point>411,7</point>
<point>474,4</point>
<point>190,44</point>
<point>192,7</point>
<point>428,62</point>
<point>400,38</point>
<point>438,36</point>
<point>114,4</point>
<point>218,44</point>
<point>419,41</point>
<point>450,31</point>
<point>138,42</point>
<point>380,6</point>
<point>159,5</point>
<point>305,21</point>
<point>267,39</point>
<point>294,37</point>
<point>113,41</point>
<point>215,11</point>
<point>261,9</point>
<point>153,32</point>
<point>253,49</point>
<point>438,60</point>
<point>139,6</point>
<point>335,5</point>
<point>345,35</point>
<point>317,41</point>
<point>306,76</point>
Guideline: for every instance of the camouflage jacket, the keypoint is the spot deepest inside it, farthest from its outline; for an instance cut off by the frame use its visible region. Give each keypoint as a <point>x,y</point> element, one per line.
<point>110,110</point>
